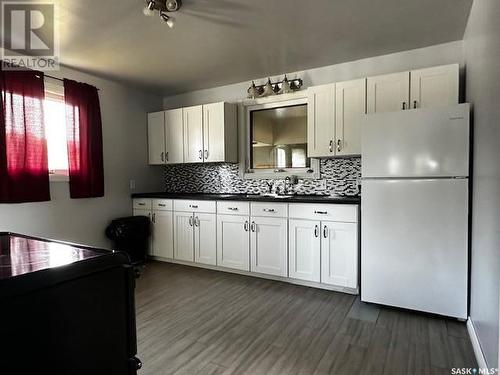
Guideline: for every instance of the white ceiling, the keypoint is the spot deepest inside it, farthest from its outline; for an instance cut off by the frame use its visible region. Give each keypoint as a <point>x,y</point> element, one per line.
<point>217,42</point>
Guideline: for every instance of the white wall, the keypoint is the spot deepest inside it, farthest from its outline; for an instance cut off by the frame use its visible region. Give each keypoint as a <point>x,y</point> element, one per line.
<point>124,126</point>
<point>441,54</point>
<point>482,57</point>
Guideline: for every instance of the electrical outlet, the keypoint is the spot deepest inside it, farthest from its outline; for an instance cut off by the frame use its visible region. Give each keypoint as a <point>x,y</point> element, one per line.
<point>322,185</point>
<point>132,184</point>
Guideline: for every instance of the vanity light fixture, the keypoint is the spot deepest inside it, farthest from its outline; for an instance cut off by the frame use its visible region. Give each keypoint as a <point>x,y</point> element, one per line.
<point>163,7</point>
<point>285,86</point>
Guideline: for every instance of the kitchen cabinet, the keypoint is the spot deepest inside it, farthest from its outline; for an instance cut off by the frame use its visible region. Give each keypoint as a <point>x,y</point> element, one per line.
<point>304,250</point>
<point>184,236</point>
<point>434,87</point>
<point>162,234</point>
<point>350,103</point>
<point>220,132</point>
<point>193,134</point>
<point>233,241</point>
<point>339,254</point>
<point>144,212</point>
<point>156,138</point>
<point>174,136</point>
<point>388,92</point>
<point>321,121</point>
<point>205,248</point>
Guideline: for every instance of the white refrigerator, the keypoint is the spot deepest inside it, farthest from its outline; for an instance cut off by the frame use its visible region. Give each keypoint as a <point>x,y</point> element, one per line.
<point>414,209</point>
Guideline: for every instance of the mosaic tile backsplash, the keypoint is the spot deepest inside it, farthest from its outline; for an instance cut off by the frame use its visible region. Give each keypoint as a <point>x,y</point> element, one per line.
<point>341,175</point>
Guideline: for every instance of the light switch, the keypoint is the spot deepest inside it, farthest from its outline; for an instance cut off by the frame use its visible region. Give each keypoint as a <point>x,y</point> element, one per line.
<point>132,184</point>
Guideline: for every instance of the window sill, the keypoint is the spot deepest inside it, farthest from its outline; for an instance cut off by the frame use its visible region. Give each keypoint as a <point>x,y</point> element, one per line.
<point>58,178</point>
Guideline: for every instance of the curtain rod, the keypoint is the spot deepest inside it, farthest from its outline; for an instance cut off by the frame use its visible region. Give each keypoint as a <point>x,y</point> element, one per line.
<point>60,79</point>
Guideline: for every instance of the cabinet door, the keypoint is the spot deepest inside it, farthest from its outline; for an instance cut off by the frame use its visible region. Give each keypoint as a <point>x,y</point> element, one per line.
<point>213,132</point>
<point>233,242</point>
<point>205,249</point>
<point>162,234</point>
<point>183,236</point>
<point>269,246</point>
<point>193,134</point>
<point>140,212</point>
<point>156,138</point>
<point>304,240</point>
<point>350,98</point>
<point>339,254</point>
<point>434,87</point>
<point>321,121</point>
<point>388,93</point>
<point>174,137</point>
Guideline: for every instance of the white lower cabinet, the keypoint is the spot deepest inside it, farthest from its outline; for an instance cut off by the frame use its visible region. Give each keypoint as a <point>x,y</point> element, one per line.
<point>184,236</point>
<point>339,254</point>
<point>304,255</point>
<point>269,245</point>
<point>205,244</point>
<point>233,242</point>
<point>162,234</point>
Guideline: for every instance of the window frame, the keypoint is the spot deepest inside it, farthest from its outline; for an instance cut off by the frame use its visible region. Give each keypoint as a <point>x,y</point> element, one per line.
<point>56,91</point>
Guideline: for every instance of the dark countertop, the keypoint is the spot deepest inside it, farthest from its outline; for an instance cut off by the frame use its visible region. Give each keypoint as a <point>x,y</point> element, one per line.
<point>252,198</point>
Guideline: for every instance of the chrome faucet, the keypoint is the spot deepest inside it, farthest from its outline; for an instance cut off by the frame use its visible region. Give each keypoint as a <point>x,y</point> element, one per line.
<point>270,185</point>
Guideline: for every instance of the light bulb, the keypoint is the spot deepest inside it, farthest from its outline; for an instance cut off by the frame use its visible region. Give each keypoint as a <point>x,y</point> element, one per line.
<point>147,12</point>
<point>171,22</point>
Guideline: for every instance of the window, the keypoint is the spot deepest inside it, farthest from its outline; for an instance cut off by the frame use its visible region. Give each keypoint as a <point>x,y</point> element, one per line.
<point>55,132</point>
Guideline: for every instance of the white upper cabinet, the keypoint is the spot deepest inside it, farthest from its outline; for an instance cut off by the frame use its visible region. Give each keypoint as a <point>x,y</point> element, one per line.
<point>205,245</point>
<point>304,259</point>
<point>350,98</point>
<point>193,134</point>
<point>174,136</point>
<point>388,93</point>
<point>339,254</point>
<point>321,121</point>
<point>269,245</point>
<point>156,138</point>
<point>219,132</point>
<point>434,87</point>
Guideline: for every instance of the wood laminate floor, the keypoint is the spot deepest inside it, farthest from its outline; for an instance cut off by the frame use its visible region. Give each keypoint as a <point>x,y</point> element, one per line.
<point>197,321</point>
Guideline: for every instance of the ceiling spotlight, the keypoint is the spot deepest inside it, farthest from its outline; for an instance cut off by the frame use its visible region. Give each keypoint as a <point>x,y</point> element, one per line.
<point>168,19</point>
<point>172,5</point>
<point>149,8</point>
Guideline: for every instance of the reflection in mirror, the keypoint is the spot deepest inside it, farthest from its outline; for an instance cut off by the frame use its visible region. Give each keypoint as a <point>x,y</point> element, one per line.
<point>279,138</point>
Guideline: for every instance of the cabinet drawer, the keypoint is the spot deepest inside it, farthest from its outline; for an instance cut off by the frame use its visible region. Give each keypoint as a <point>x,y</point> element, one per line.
<point>141,203</point>
<point>233,208</point>
<point>328,212</point>
<point>162,204</point>
<point>194,206</point>
<point>269,209</point>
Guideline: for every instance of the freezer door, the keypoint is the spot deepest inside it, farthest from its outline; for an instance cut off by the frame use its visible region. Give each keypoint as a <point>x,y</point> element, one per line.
<point>414,244</point>
<point>416,143</point>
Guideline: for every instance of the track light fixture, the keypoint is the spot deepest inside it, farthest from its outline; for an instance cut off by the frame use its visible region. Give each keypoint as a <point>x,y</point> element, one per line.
<point>163,7</point>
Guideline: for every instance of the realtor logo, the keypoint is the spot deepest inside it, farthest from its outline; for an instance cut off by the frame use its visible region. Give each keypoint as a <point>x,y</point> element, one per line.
<point>29,36</point>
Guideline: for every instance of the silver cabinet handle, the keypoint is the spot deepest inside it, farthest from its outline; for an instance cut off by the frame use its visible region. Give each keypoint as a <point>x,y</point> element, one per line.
<point>325,231</point>
<point>196,221</point>
<point>162,156</point>
<point>193,206</point>
<point>166,156</point>
<point>190,221</point>
<point>404,106</point>
<point>206,154</point>
<point>330,147</point>
<point>154,218</point>
<point>232,208</point>
<point>339,143</point>
<point>321,212</point>
<point>268,210</point>
<point>253,226</point>
<point>246,226</point>
<point>200,154</point>
<point>161,204</point>
<point>141,204</point>
<point>415,103</point>
<point>316,231</point>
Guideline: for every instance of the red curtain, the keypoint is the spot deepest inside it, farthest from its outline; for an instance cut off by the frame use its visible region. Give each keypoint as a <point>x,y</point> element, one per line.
<point>84,134</point>
<point>24,175</point>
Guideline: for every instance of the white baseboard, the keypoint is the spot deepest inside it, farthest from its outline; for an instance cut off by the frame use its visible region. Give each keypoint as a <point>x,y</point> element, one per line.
<point>478,352</point>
